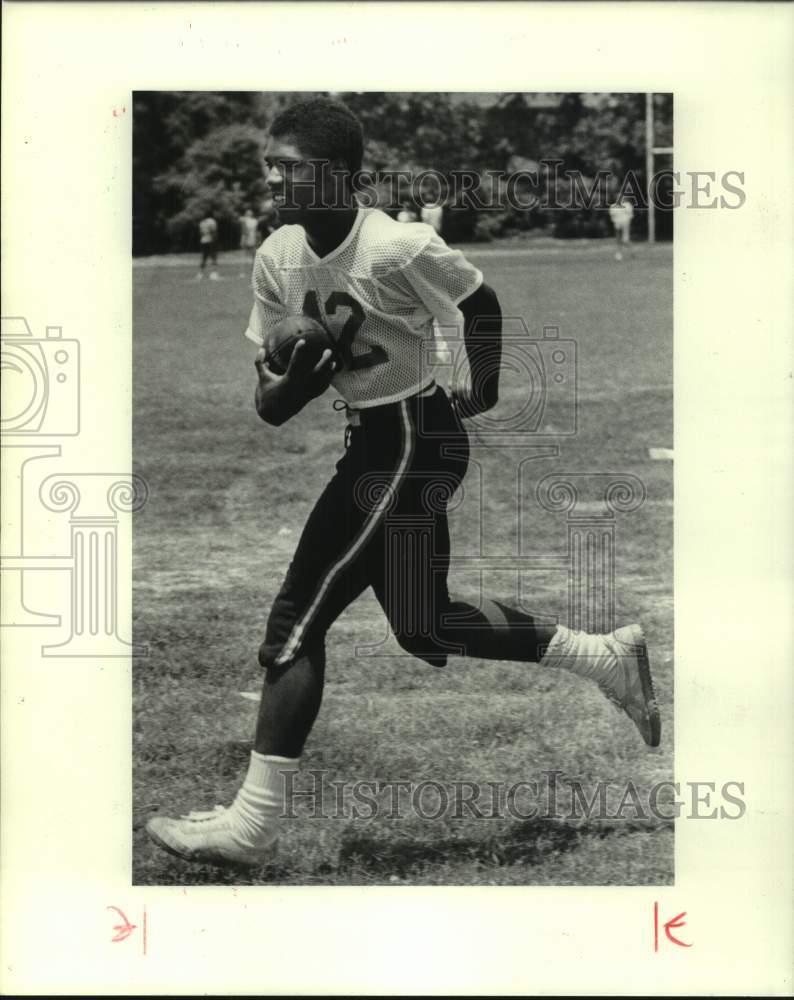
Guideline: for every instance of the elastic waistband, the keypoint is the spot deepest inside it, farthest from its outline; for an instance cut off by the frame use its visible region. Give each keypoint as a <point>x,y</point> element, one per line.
<point>354,415</point>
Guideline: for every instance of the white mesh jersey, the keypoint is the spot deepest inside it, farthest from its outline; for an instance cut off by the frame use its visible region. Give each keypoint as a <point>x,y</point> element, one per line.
<point>378,294</point>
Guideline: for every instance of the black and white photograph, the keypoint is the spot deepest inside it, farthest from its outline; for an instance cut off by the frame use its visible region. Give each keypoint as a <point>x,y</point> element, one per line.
<point>397,561</point>
<point>402,369</point>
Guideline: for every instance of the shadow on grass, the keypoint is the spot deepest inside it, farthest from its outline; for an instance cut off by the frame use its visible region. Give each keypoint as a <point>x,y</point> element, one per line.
<point>528,843</point>
<point>531,843</point>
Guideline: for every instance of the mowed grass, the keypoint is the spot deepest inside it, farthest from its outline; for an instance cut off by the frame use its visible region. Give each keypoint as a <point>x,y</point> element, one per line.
<point>228,499</point>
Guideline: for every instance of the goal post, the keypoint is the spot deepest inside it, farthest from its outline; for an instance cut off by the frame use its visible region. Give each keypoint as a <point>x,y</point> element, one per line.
<point>651,151</point>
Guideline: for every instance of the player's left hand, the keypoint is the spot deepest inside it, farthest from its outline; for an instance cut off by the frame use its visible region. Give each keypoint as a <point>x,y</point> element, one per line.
<point>313,379</point>
<point>467,400</point>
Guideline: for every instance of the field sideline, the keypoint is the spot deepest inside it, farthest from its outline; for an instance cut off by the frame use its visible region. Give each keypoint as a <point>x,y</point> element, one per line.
<point>228,496</point>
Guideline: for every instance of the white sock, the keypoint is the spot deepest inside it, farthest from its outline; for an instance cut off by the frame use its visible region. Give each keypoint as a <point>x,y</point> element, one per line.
<point>259,803</point>
<point>580,653</point>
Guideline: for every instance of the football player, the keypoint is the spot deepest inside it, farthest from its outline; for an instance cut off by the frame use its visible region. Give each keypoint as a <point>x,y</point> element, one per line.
<point>377,286</point>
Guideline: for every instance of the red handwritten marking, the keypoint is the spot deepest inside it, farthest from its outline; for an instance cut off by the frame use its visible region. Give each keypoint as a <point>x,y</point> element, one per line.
<point>123,930</point>
<point>676,922</point>
<point>118,112</point>
<point>669,925</point>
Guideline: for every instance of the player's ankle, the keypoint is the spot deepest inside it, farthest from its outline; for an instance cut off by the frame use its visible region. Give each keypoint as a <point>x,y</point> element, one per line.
<point>261,801</point>
<point>251,828</point>
<point>583,653</point>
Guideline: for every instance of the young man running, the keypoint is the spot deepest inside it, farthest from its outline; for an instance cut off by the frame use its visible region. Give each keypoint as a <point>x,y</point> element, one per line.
<point>377,286</point>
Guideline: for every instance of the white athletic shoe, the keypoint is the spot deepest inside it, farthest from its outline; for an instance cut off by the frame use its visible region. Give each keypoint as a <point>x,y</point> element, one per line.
<point>618,664</point>
<point>627,681</point>
<point>209,837</point>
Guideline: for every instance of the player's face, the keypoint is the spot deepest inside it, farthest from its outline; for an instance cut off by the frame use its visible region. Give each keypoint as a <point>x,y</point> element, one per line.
<point>297,182</point>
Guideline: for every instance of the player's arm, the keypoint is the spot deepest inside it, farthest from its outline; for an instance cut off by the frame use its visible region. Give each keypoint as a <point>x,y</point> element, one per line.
<point>279,397</point>
<point>448,285</point>
<point>478,390</point>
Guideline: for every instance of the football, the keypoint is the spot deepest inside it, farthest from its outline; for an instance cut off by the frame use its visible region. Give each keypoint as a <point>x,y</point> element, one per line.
<point>285,335</point>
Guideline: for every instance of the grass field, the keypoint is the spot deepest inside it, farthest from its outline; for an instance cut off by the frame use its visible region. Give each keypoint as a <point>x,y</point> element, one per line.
<point>228,499</point>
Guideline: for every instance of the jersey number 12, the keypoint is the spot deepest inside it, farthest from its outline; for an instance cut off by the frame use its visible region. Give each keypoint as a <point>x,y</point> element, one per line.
<point>338,300</point>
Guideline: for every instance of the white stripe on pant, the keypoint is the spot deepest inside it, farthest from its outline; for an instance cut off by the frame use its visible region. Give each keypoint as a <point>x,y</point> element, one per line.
<point>369,526</point>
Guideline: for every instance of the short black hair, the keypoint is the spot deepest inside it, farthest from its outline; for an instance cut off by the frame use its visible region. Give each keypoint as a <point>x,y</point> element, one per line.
<point>324,128</point>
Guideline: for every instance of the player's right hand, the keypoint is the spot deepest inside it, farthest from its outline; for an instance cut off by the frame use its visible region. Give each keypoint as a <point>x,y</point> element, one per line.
<point>266,376</point>
<point>279,397</point>
<point>313,379</point>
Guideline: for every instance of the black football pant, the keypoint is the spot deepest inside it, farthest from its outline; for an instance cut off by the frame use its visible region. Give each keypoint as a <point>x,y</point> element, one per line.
<point>381,522</point>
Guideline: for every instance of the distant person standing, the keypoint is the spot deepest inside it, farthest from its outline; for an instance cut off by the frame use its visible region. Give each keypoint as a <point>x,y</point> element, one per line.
<point>621,214</point>
<point>407,213</point>
<point>249,236</point>
<point>208,231</point>
<point>433,215</point>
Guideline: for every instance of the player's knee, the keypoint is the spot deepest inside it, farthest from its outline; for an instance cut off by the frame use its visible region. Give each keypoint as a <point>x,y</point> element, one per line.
<point>274,658</point>
<point>270,656</point>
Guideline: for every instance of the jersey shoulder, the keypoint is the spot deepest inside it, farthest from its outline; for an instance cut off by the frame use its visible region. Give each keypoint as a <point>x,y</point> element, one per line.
<point>385,245</point>
<point>283,247</point>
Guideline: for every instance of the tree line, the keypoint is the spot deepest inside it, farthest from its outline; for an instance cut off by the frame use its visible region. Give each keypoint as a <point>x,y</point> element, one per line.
<point>200,151</point>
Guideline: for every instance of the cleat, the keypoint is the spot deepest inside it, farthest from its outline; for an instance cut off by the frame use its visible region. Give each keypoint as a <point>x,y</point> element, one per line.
<point>618,664</point>
<point>627,681</point>
<point>208,837</point>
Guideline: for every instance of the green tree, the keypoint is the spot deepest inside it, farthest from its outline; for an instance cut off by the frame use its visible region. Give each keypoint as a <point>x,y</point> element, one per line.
<point>220,174</point>
<point>166,125</point>
<point>197,150</point>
